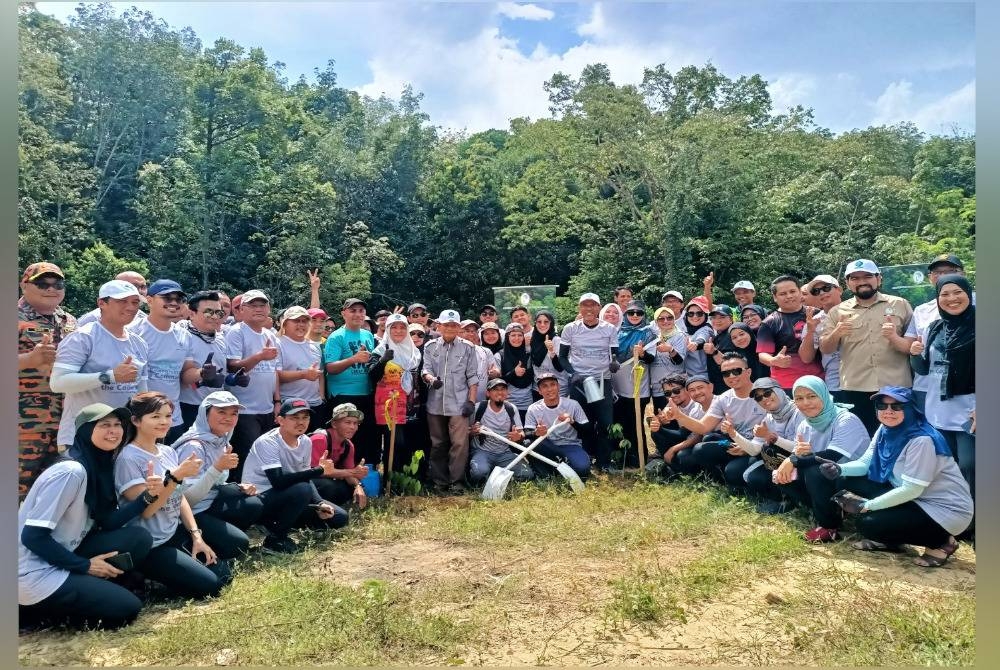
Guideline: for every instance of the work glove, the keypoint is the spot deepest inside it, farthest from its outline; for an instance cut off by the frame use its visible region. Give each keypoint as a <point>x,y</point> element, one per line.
<point>613,366</point>
<point>238,378</point>
<point>468,407</point>
<point>437,383</point>
<point>211,376</point>
<point>849,502</point>
<point>387,356</point>
<point>828,468</point>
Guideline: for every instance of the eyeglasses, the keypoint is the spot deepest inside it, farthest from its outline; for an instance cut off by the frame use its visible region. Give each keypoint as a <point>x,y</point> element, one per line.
<point>736,372</point>
<point>673,391</point>
<point>894,406</point>
<point>664,318</point>
<point>217,313</point>
<point>58,284</point>
<point>945,270</point>
<point>763,393</point>
<point>420,335</point>
<point>421,315</point>
<point>635,312</point>
<point>690,314</point>
<point>328,329</point>
<point>816,290</point>
<point>170,297</point>
<point>488,312</point>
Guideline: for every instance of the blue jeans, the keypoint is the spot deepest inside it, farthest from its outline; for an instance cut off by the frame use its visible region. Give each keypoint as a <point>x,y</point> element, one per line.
<point>483,462</point>
<point>573,454</point>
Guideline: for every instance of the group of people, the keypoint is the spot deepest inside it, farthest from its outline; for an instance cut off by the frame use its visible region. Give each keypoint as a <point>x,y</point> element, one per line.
<point>150,443</point>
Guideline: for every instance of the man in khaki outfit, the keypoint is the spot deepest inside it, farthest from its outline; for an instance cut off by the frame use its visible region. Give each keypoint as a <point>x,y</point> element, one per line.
<point>868,331</point>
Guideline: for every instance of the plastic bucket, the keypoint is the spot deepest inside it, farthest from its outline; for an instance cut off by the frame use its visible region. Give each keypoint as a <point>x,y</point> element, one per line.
<point>593,389</point>
<point>372,483</point>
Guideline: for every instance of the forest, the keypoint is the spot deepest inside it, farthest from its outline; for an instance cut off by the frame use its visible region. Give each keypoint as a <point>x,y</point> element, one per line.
<point>142,148</point>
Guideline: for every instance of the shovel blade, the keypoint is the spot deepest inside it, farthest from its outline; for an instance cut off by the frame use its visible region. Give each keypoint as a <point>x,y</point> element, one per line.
<point>497,483</point>
<point>569,474</point>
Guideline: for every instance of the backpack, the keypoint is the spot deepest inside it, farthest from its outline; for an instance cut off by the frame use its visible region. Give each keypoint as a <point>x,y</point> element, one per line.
<point>481,409</point>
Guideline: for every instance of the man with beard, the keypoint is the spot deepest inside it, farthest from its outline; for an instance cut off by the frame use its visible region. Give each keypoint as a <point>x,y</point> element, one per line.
<point>823,293</point>
<point>720,317</point>
<point>201,374</point>
<point>868,330</point>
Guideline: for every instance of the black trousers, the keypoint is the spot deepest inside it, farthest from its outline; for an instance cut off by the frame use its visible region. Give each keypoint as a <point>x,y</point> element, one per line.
<point>760,482</point>
<point>172,565</point>
<point>248,428</point>
<point>337,491</point>
<point>863,408</point>
<point>902,524</point>
<point>600,416</point>
<point>367,442</point>
<point>811,489</point>
<point>624,415</point>
<point>288,508</point>
<point>223,523</point>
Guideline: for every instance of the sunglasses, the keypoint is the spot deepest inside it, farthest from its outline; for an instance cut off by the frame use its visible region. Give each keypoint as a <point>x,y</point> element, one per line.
<point>58,284</point>
<point>664,318</point>
<point>420,315</point>
<point>635,312</point>
<point>763,393</point>
<point>217,313</point>
<point>328,329</point>
<point>169,298</point>
<point>488,312</point>
<point>894,406</point>
<point>690,314</point>
<point>816,290</point>
<point>736,372</point>
<point>674,391</point>
<point>421,335</point>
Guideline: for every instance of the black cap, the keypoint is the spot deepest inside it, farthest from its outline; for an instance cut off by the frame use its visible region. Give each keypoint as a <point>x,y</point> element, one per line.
<point>382,312</point>
<point>635,305</point>
<point>351,302</point>
<point>486,307</point>
<point>294,406</point>
<point>946,259</point>
<point>721,309</point>
<point>416,305</point>
<point>493,383</point>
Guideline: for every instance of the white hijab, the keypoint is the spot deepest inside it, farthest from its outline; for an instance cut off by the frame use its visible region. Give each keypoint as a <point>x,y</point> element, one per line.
<point>621,315</point>
<point>405,353</point>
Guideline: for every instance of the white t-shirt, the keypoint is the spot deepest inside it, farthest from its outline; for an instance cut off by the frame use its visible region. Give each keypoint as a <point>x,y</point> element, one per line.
<point>200,349</point>
<point>539,412</point>
<point>548,366</point>
<point>846,435</point>
<point>168,349</point>
<point>294,355</point>
<point>498,422</point>
<point>948,414</point>
<point>55,501</point>
<point>94,349</point>
<point>745,413</point>
<point>271,451</point>
<point>242,341</point>
<point>130,469</point>
<point>590,347</point>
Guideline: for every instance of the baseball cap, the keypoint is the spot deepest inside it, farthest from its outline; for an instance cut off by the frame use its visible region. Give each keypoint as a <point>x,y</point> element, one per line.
<point>721,309</point>
<point>346,409</point>
<point>293,406</point>
<point>900,393</point>
<point>222,399</point>
<point>542,376</point>
<point>696,378</point>
<point>36,270</point>
<point>468,322</point>
<point>117,289</point>
<point>676,294</point>
<point>382,312</point>
<point>351,302</point>
<point>700,301</point>
<point>861,265</point>
<point>294,312</point>
<point>449,316</point>
<point>822,279</point>
<point>635,305</point>
<point>98,410</point>
<point>314,312</point>
<point>946,259</point>
<point>416,328</point>
<point>164,286</point>
<point>589,296</point>
<point>743,283</point>
<point>486,307</point>
<point>493,383</point>
<point>254,294</point>
<point>490,325</point>
<point>416,306</point>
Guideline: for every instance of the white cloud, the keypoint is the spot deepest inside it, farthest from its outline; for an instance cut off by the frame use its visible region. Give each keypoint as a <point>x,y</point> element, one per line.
<point>596,26</point>
<point>791,89</point>
<point>528,12</point>
<point>899,103</point>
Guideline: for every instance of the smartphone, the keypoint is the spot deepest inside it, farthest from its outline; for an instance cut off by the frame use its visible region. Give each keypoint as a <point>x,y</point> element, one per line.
<point>121,561</point>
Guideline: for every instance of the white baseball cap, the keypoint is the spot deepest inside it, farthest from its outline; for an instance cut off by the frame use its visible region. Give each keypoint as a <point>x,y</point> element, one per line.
<point>743,284</point>
<point>822,279</point>
<point>589,296</point>
<point>222,399</point>
<point>117,289</point>
<point>861,265</point>
<point>449,316</point>
<point>254,294</point>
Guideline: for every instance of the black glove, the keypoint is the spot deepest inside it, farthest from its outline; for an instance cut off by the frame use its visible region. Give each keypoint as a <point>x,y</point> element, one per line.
<point>614,366</point>
<point>238,378</point>
<point>849,502</point>
<point>211,376</point>
<point>437,383</point>
<point>468,408</point>
<point>387,356</point>
<point>828,468</point>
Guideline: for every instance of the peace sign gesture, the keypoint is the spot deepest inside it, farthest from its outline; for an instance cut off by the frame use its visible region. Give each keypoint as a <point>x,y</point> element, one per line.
<point>314,280</point>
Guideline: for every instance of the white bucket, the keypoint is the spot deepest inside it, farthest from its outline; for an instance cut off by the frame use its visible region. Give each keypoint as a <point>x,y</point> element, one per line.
<point>593,388</point>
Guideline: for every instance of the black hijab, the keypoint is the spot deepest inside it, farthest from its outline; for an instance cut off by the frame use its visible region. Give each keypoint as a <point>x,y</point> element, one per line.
<point>538,349</point>
<point>757,369</point>
<point>100,495</point>
<point>510,358</point>
<point>954,337</point>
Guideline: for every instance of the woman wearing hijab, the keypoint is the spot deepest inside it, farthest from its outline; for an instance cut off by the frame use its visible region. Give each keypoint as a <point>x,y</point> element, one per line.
<point>635,338</point>
<point>829,432</point>
<point>669,354</point>
<point>489,337</point>
<point>612,313</point>
<point>223,510</point>
<point>516,368</point>
<point>949,358</point>
<point>544,349</point>
<point>773,442</point>
<point>699,332</point>
<point>398,347</point>
<point>753,315</point>
<point>70,525</point>
<point>744,340</point>
<point>906,488</point>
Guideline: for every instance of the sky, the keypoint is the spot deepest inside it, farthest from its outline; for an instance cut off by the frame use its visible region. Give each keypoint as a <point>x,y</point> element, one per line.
<point>480,64</point>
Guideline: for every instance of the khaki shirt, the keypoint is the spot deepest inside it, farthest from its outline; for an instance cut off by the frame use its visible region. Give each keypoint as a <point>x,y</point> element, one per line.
<point>867,360</point>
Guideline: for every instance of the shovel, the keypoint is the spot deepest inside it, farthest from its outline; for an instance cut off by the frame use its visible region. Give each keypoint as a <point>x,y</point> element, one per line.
<point>390,420</point>
<point>496,485</point>
<point>640,441</point>
<point>568,473</point>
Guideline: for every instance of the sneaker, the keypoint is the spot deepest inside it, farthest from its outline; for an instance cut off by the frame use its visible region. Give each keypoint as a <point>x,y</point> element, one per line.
<point>281,545</point>
<point>819,535</point>
<point>455,490</point>
<point>775,507</point>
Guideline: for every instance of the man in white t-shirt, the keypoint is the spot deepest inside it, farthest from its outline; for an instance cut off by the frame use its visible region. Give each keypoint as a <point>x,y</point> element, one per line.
<point>136,280</point>
<point>564,444</point>
<point>502,418</point>
<point>101,361</point>
<point>587,350</point>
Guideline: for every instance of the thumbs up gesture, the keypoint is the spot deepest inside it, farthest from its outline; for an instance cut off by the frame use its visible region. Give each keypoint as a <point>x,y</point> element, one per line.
<point>363,355</point>
<point>802,448</point>
<point>227,460</point>
<point>44,352</point>
<point>781,359</point>
<point>709,280</point>
<point>727,426</point>
<point>519,369</point>
<point>189,467</point>
<point>709,347</point>
<point>126,371</point>
<point>269,352</point>
<point>312,373</point>
<point>888,327</point>
<point>327,466</point>
<point>917,346</point>
<point>154,482</point>
<point>760,430</point>
<point>211,376</point>
<point>548,345</point>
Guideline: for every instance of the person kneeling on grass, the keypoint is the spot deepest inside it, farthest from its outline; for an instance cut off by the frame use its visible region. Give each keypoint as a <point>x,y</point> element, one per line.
<point>909,487</point>
<point>278,465</point>
<point>70,526</point>
<point>501,417</point>
<point>565,444</point>
<point>223,510</point>
<point>343,485</point>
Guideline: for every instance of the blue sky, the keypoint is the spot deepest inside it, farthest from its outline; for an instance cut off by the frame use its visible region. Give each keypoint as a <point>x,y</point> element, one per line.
<point>479,64</point>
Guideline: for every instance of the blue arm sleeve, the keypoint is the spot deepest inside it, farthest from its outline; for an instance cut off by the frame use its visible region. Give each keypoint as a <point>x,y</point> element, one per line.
<point>39,541</point>
<point>897,496</point>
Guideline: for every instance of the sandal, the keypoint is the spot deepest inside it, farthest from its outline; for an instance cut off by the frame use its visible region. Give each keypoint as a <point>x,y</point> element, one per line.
<point>950,548</point>
<point>929,561</point>
<point>872,545</point>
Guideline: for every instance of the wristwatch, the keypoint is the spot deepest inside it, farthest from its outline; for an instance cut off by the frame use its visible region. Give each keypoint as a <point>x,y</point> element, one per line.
<point>105,377</point>
<point>168,477</point>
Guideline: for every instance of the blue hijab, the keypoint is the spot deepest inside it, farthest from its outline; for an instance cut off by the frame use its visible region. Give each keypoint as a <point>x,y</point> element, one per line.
<point>890,442</point>
<point>831,410</point>
<point>630,335</point>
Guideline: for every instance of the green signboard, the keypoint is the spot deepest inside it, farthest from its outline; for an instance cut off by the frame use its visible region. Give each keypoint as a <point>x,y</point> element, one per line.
<point>533,297</point>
